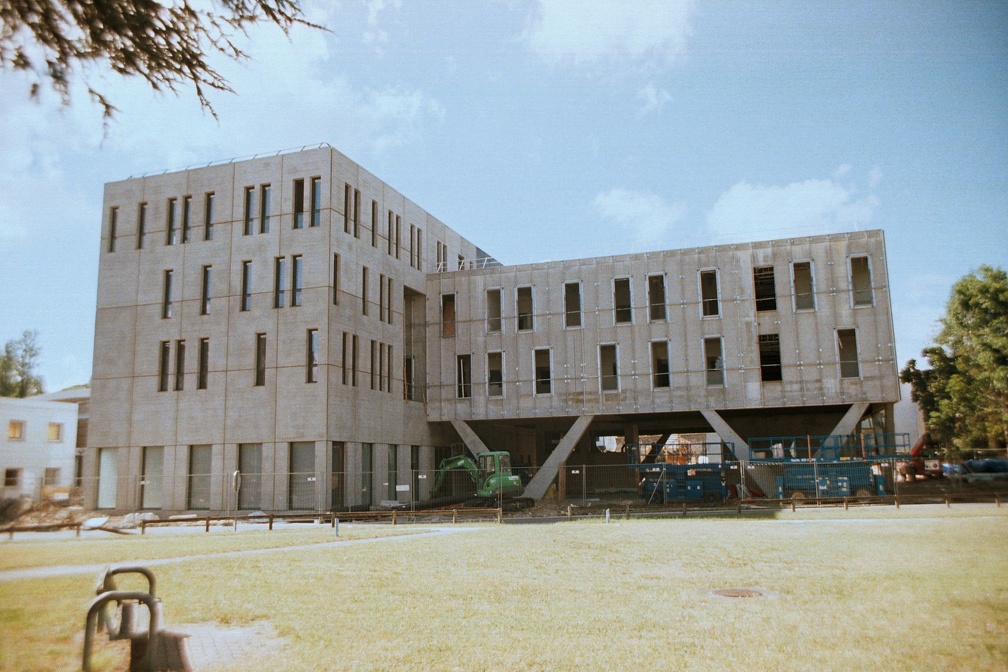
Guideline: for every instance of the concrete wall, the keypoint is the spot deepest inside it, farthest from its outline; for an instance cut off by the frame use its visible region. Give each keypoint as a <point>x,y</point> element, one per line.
<point>24,459</point>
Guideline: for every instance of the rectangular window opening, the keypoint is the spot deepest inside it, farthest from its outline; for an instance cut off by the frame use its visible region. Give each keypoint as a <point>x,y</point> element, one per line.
<point>447,315</point>
<point>279,271</point>
<point>848,355</point>
<point>264,208</point>
<point>861,282</point>
<point>656,297</point>
<point>166,299</point>
<point>335,279</point>
<point>171,233</point>
<point>299,203</point>
<point>765,289</point>
<point>54,431</point>
<point>203,367</point>
<point>316,201</point>
<point>374,223</point>
<point>113,216</point>
<point>179,366</point>
<point>608,368</point>
<point>495,374</point>
<point>364,290</point>
<point>205,293</point>
<point>208,216</point>
<point>164,355</point>
<point>660,364</point>
<point>344,360</point>
<point>141,224</point>
<point>493,303</point>
<point>524,308</point>
<point>372,367</point>
<point>311,356</point>
<point>246,298</point>
<point>714,361</point>
<point>297,279</point>
<point>709,293</point>
<point>186,218</point>
<point>770,357</point>
<point>260,360</point>
<point>249,214</point>
<point>463,376</point>
<point>622,304</point>
<point>543,373</point>
<point>572,304</point>
<point>15,430</point>
<point>804,287</point>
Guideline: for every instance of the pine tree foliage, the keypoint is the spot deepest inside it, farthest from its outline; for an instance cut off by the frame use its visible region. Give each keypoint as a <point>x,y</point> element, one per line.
<point>17,367</point>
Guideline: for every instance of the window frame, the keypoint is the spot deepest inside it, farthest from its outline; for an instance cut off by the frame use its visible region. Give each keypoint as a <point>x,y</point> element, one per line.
<point>870,289</point>
<point>717,294</point>
<point>719,364</point>
<point>812,286</point>
<point>568,323</point>
<point>535,373</point>
<point>603,376</point>
<point>652,304</point>
<point>618,308</point>
<point>489,383</point>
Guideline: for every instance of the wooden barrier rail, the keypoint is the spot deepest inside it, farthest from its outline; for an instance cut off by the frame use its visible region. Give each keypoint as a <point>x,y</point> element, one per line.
<point>392,515</point>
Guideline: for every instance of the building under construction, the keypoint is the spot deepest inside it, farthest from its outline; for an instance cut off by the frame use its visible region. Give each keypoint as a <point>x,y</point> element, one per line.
<point>294,319</point>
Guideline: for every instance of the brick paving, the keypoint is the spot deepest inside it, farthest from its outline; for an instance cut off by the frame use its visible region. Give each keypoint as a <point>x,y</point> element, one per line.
<point>210,646</point>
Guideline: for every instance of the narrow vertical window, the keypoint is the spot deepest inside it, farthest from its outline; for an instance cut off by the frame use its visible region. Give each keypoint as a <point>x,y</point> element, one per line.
<point>622,303</point>
<point>249,210</point>
<point>398,235</point>
<point>391,232</point>
<point>186,218</point>
<point>409,389</point>
<point>709,293</point>
<point>765,289</point>
<point>388,302</point>
<point>356,214</point>
<point>279,270</point>
<point>347,206</point>
<point>205,293</point>
<point>861,282</point>
<point>412,245</point>
<point>381,297</point>
<point>344,360</point>
<point>264,208</point>
<point>608,368</point>
<point>141,224</point>
<point>463,376</point>
<point>353,360</point>
<point>364,288</point>
<point>297,279</point>
<point>419,244</point>
<point>493,303</point>
<point>372,367</point>
<point>572,304</point>
<point>179,366</point>
<point>113,216</point>
<point>388,373</point>
<point>803,285</point>
<point>660,365</point>
<point>543,374</point>
<point>523,306</point>
<point>847,353</point>
<point>393,471</point>
<point>171,233</point>
<point>166,299</point>
<point>208,216</point>
<point>311,356</point>
<point>770,357</point>
<point>203,364</point>
<point>447,315</point>
<point>316,201</point>
<point>461,263</point>
<point>299,203</point>
<point>335,279</point>
<point>495,374</point>
<point>656,297</point>
<point>260,360</point>
<point>374,223</point>
<point>713,361</point>
<point>246,286</point>
<point>381,367</point>
<point>164,354</point>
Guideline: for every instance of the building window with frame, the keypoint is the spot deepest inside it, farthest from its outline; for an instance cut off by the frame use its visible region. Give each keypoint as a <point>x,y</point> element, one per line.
<point>344,359</point>
<point>54,431</point>
<point>246,286</point>
<point>388,372</point>
<point>51,476</point>
<point>391,232</point>
<point>398,235</point>
<point>660,372</point>
<point>208,214</point>
<point>713,360</point>
<point>710,304</point>
<point>419,242</point>
<point>179,365</point>
<point>764,288</point>
<point>141,224</point>
<point>656,298</point>
<point>171,233</point>
<point>353,360</point>
<point>299,203</point>
<point>463,376</point>
<point>861,282</point>
<point>622,301</point>
<point>388,302</point>
<point>364,290</point>
<point>770,358</point>
<point>374,223</point>
<point>373,368</point>
<point>543,371</point>
<point>15,430</point>
<point>524,308</point>
<point>279,271</point>
<point>12,478</point>
<point>249,214</point>
<point>493,308</point>
<point>847,353</point>
<point>447,315</point>
<point>347,206</point>
<point>260,360</point>
<point>164,355</point>
<point>203,364</point>
<point>803,285</point>
<point>166,297</point>
<point>264,208</point>
<point>608,368</point>
<point>316,201</point>
<point>495,374</point>
<point>335,279</point>
<point>186,218</point>
<point>572,304</point>
<point>297,279</point>
<point>311,356</point>
<point>205,293</point>
<point>113,217</point>
<point>381,367</point>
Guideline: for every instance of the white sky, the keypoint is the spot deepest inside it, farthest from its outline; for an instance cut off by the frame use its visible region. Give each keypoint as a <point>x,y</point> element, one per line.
<point>556,129</point>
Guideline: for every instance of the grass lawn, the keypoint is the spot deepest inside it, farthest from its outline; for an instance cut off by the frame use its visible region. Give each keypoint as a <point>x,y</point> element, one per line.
<point>920,588</point>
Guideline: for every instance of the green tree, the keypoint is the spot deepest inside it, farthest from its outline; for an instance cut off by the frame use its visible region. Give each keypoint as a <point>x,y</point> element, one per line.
<point>964,392</point>
<point>17,367</point>
<point>166,43</point>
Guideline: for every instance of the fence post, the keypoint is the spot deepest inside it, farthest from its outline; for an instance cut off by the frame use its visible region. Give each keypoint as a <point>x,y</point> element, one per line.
<point>271,522</point>
<point>208,523</point>
<point>997,500</point>
<point>500,516</point>
<point>143,528</point>
<point>684,509</point>
<point>948,502</point>
<point>568,512</point>
<point>393,516</point>
<point>896,500</point>
<point>626,514</point>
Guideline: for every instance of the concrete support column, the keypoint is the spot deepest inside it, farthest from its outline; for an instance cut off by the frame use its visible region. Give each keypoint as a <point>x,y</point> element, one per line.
<point>547,472</point>
<point>472,442</point>
<point>849,422</point>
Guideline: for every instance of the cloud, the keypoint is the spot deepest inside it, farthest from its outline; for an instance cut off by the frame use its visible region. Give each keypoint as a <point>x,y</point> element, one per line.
<point>748,212</point>
<point>645,216</point>
<point>652,100</point>
<point>588,30</point>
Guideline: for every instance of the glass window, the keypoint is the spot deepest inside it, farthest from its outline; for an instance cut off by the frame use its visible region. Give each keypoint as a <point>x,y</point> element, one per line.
<point>297,273</point>
<point>141,224</point>
<point>208,206</point>
<point>12,478</point>
<point>279,271</point>
<point>311,356</point>
<point>246,300</point>
<point>264,208</point>
<point>249,210</point>
<point>179,366</point>
<point>364,290</point>
<point>186,218</point>
<point>166,301</point>
<point>316,201</point>
<point>164,353</point>
<point>54,431</point>
<point>171,235</point>
<point>113,216</point>
<point>299,204</point>
<point>15,430</point>
<point>205,294</point>
<point>203,364</point>
<point>260,360</point>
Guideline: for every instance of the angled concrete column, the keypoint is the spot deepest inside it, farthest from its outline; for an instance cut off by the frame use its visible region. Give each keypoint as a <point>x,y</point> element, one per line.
<point>850,419</point>
<point>472,442</point>
<point>728,435</point>
<point>547,472</point>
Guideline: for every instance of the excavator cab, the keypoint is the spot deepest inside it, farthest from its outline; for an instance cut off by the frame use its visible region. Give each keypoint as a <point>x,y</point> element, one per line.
<point>495,477</point>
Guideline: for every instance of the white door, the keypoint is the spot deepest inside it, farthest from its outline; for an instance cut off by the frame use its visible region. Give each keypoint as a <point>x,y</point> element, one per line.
<point>108,477</point>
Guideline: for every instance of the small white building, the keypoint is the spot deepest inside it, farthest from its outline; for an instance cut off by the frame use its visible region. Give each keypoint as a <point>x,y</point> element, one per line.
<point>37,449</point>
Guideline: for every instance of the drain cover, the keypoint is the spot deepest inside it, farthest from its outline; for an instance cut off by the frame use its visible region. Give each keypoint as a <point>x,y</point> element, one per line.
<point>738,592</point>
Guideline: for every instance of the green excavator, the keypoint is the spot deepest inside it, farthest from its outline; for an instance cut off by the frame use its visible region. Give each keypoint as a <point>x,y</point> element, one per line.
<point>491,474</point>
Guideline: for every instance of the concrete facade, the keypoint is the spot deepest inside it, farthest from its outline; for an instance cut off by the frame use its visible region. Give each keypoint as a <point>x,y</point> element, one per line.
<point>37,445</point>
<point>344,327</point>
